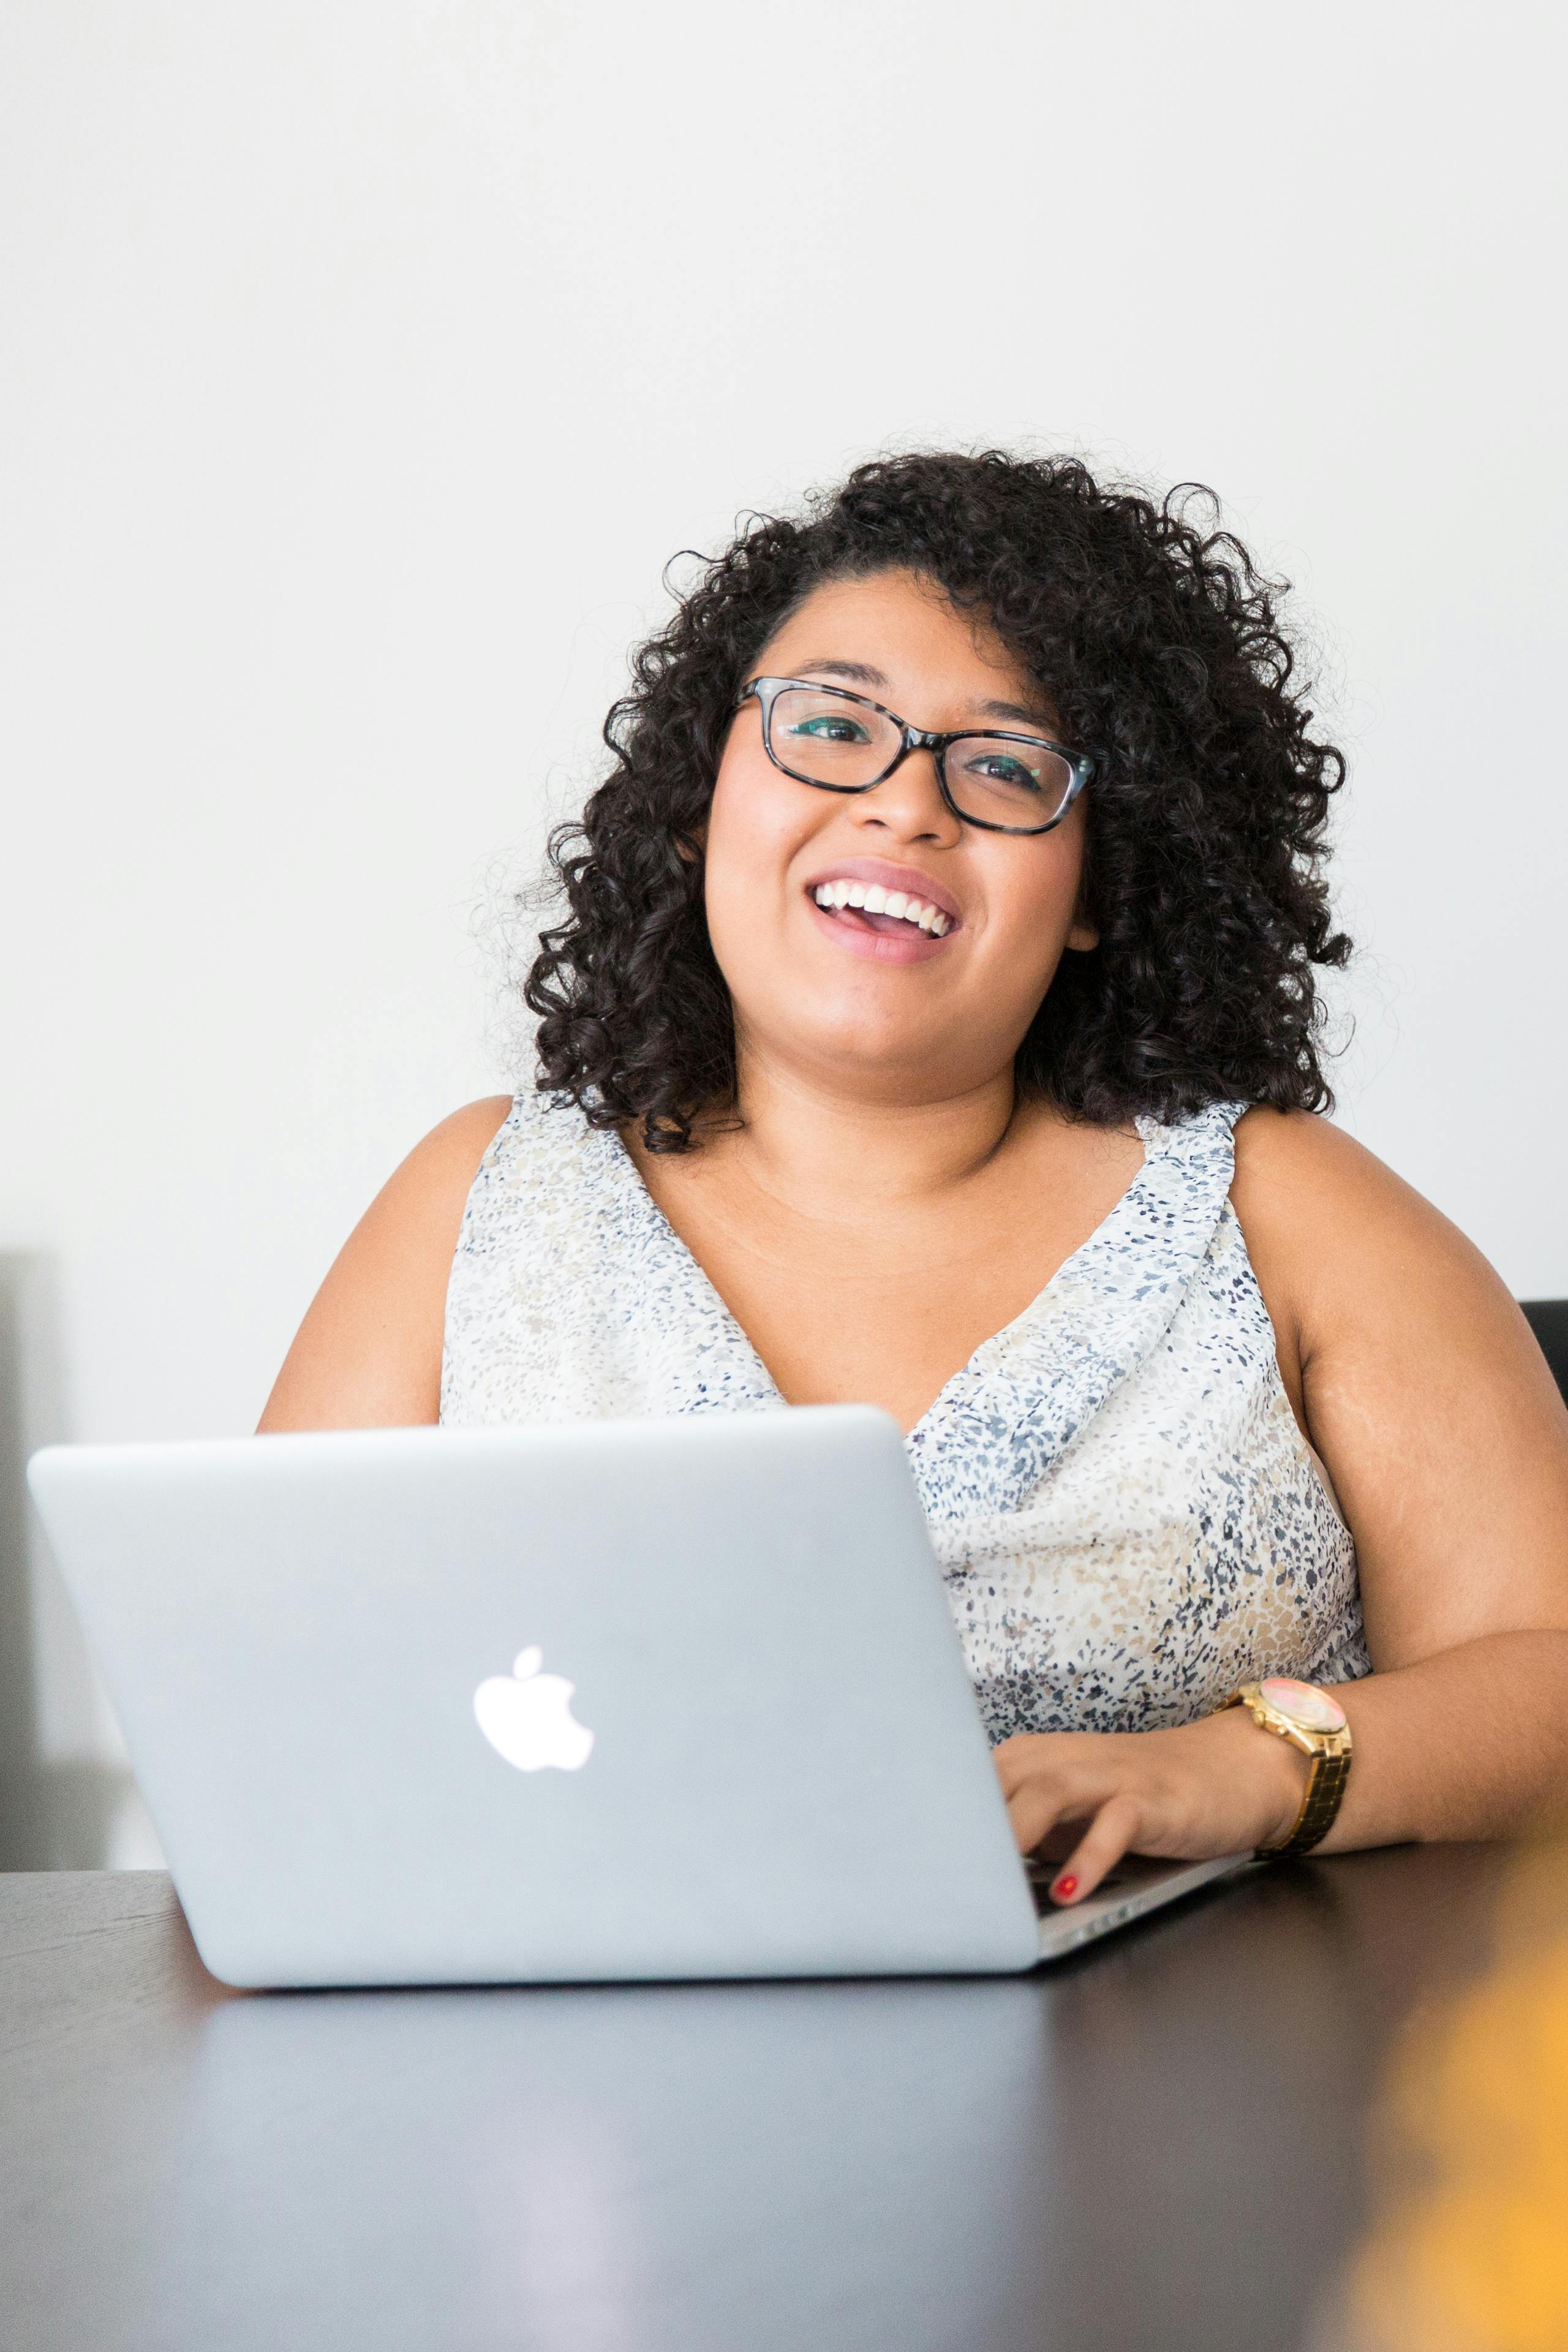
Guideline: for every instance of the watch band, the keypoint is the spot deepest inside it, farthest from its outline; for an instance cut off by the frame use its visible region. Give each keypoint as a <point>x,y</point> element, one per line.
<point>1320,1800</point>
<point>1287,1709</point>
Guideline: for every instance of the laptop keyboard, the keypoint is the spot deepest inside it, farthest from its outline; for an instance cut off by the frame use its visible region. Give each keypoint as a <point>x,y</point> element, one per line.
<point>1120,1874</point>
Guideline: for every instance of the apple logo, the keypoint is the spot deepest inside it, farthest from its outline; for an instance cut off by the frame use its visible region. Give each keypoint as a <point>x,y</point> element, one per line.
<point>527,1717</point>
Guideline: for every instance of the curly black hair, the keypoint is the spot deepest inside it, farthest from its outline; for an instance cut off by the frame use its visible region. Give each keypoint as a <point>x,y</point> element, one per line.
<point>1156,640</point>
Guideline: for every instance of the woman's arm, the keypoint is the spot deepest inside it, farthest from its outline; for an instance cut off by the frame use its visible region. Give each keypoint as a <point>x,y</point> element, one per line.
<point>1446,1440</point>
<point>1415,1377</point>
<point>368,1353</point>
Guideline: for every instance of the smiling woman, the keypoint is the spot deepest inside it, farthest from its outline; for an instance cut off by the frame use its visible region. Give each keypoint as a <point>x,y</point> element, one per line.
<point>933,1022</point>
<point>1125,643</point>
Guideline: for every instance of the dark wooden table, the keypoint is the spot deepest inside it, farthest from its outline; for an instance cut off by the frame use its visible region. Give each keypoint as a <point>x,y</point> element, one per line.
<point>1156,2144</point>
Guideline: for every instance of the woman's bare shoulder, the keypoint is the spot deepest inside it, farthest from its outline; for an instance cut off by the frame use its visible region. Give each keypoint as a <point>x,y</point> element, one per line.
<point>368,1353</point>
<point>416,1216</point>
<point>1304,1186</point>
<point>1348,1254</point>
<point>449,1156</point>
<point>1420,1385</point>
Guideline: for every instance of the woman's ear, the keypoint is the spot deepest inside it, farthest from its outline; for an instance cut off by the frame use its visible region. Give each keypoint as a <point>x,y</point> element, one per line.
<point>1085,933</point>
<point>1084,936</point>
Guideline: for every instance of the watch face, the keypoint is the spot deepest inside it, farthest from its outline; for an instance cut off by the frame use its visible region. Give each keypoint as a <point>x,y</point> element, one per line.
<point>1303,1703</point>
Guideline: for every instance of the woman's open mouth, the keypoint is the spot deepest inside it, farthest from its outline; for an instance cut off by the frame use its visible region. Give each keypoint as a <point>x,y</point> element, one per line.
<point>877,910</point>
<point>886,913</point>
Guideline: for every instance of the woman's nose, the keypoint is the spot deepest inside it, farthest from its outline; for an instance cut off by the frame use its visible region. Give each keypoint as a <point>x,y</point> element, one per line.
<point>909,803</point>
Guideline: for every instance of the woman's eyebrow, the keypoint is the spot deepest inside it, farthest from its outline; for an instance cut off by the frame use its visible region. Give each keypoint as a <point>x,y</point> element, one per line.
<point>1014,711</point>
<point>862,672</point>
<point>864,675</point>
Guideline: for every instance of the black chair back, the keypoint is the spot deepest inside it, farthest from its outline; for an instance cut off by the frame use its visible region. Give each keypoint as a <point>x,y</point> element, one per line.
<point>1548,1318</point>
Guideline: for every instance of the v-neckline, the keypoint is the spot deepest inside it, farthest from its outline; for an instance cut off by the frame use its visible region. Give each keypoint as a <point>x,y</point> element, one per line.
<point>985,1360</point>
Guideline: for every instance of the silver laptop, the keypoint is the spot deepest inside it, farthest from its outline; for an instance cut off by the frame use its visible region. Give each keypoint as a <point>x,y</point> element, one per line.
<point>612,1699</point>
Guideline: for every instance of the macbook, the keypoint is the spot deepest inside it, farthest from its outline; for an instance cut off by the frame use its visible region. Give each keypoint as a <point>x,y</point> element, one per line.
<point>602,1700</point>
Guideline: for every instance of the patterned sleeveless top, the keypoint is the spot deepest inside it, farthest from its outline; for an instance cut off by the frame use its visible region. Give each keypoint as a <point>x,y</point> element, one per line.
<point>1126,1514</point>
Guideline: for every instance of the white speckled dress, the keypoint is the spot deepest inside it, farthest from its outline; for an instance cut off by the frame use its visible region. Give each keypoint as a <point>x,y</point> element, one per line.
<point>1128,1516</point>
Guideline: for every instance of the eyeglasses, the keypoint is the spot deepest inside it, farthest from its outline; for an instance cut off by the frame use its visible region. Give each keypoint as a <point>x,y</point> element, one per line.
<point>842,742</point>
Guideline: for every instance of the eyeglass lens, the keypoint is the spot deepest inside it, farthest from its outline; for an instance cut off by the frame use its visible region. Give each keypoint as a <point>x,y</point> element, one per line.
<point>825,739</point>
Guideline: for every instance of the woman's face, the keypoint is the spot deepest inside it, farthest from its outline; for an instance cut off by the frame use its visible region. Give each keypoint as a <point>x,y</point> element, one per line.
<point>876,1007</point>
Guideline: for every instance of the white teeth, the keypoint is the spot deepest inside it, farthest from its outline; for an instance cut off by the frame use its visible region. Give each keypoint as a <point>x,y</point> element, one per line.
<point>899,903</point>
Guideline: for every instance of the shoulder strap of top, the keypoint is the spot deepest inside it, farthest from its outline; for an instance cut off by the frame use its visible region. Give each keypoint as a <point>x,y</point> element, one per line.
<point>1045,1377</point>
<point>527,1172</point>
<point>1194,1138</point>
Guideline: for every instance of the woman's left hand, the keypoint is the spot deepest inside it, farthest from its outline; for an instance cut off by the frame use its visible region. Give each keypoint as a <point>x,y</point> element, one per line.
<point>1219,1786</point>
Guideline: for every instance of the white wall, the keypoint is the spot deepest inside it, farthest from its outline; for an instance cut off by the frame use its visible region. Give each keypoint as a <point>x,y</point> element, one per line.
<point>363,361</point>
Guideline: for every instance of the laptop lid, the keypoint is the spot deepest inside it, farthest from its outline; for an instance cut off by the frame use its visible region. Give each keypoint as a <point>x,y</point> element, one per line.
<point>653,1698</point>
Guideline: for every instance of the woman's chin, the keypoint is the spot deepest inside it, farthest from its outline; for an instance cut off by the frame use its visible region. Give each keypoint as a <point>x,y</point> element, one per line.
<point>845,1048</point>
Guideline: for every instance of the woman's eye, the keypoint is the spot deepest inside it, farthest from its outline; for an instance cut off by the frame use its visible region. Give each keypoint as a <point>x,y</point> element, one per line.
<point>996,768</point>
<point>829,727</point>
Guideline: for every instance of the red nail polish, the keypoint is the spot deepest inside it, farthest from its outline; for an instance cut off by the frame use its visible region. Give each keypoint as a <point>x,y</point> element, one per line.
<point>1066,1887</point>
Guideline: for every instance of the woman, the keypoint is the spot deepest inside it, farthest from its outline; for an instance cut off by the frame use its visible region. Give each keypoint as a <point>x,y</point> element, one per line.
<point>934,1024</point>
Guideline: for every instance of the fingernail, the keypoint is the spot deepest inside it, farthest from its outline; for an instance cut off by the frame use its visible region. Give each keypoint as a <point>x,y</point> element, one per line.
<point>1066,1887</point>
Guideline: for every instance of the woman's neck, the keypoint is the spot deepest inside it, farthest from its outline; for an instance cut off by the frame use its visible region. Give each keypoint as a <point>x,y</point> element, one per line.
<point>816,1147</point>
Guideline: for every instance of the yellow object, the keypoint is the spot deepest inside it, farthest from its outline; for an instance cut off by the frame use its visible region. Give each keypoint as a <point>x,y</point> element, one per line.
<point>1470,2252</point>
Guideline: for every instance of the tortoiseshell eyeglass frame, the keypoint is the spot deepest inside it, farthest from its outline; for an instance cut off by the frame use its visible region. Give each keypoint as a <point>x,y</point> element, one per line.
<point>765,691</point>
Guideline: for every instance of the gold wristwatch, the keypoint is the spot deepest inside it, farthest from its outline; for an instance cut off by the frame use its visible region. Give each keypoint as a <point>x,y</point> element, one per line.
<point>1315,1723</point>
